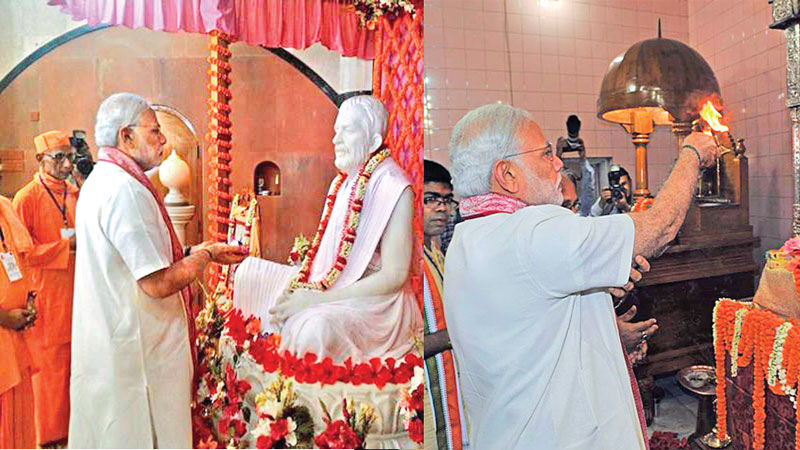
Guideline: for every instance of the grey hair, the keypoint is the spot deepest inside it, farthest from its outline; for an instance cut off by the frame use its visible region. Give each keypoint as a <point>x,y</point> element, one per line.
<point>118,111</point>
<point>374,113</point>
<point>481,138</point>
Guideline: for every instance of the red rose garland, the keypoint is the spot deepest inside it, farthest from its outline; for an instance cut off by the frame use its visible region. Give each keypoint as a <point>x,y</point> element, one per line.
<point>356,203</point>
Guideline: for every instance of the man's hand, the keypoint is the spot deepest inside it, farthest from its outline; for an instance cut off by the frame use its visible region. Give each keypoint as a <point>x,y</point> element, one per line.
<point>636,333</point>
<point>16,319</point>
<point>226,254</point>
<point>622,204</point>
<point>706,148</point>
<point>292,302</point>
<point>642,266</point>
<point>638,355</point>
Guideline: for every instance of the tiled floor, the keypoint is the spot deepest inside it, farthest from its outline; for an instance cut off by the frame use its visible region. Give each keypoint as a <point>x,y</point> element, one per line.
<point>677,411</point>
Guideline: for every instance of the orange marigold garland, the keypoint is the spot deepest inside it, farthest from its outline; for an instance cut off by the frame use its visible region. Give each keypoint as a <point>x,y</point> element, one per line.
<point>356,203</point>
<point>771,343</point>
<point>643,204</point>
<point>219,144</point>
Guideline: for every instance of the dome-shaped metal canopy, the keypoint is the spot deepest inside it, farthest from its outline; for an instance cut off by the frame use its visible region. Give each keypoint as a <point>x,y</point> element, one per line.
<point>659,76</point>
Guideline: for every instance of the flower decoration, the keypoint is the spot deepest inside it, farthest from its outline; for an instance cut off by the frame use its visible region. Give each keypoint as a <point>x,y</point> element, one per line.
<point>299,250</point>
<point>412,406</point>
<point>369,11</point>
<point>350,432</point>
<point>281,423</point>
<point>348,237</point>
<point>643,204</point>
<point>768,341</point>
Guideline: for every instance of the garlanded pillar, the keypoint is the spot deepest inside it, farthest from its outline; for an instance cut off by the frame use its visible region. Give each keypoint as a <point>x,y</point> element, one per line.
<point>219,143</point>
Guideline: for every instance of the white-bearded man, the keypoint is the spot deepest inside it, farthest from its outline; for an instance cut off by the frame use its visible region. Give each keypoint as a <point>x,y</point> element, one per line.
<point>541,362</point>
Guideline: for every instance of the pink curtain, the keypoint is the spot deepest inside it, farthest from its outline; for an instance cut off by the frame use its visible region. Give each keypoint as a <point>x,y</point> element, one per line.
<point>271,23</point>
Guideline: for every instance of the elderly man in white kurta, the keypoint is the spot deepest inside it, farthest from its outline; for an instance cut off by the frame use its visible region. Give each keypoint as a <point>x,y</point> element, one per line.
<point>132,360</point>
<point>366,309</point>
<point>526,301</point>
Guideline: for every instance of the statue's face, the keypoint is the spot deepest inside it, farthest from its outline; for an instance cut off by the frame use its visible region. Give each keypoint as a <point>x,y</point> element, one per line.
<point>351,143</point>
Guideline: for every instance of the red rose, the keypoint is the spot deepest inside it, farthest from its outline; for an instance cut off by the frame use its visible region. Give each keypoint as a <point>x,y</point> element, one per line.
<point>383,376</point>
<point>264,442</point>
<point>416,399</point>
<point>236,327</point>
<point>338,435</point>
<point>416,430</point>
<point>363,373</point>
<point>239,427</point>
<point>223,425</point>
<point>278,429</point>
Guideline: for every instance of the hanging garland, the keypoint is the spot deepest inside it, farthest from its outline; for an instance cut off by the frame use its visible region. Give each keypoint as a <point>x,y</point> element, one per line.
<point>772,344</point>
<point>348,237</point>
<point>219,144</point>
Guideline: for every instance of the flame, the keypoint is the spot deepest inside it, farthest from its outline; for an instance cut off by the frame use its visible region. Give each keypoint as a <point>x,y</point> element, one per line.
<point>712,116</point>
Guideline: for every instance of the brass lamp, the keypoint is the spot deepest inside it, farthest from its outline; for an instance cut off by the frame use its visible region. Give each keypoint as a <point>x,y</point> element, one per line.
<point>655,82</point>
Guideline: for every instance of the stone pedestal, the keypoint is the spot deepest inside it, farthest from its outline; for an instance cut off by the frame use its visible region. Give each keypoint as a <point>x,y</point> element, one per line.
<point>180,216</point>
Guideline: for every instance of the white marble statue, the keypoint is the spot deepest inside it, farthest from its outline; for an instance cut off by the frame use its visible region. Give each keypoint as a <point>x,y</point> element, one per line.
<point>369,310</point>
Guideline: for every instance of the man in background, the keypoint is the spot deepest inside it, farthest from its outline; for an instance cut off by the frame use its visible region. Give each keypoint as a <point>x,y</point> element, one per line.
<point>17,423</point>
<point>447,430</point>
<point>617,198</point>
<point>46,206</point>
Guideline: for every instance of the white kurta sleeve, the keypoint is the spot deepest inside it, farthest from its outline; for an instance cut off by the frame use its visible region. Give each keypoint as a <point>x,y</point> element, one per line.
<point>567,254</point>
<point>133,224</point>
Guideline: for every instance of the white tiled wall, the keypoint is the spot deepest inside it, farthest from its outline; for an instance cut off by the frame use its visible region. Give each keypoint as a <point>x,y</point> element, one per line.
<point>750,63</point>
<point>553,57</point>
<point>551,62</point>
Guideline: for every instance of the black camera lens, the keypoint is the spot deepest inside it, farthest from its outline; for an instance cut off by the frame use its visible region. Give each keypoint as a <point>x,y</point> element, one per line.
<point>84,165</point>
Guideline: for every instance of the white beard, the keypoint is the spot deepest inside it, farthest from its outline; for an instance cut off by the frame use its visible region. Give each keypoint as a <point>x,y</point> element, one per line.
<point>351,161</point>
<point>542,192</point>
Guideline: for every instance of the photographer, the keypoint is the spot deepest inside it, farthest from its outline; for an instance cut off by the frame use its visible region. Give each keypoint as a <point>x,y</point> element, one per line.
<point>616,198</point>
<point>83,157</point>
<point>574,143</point>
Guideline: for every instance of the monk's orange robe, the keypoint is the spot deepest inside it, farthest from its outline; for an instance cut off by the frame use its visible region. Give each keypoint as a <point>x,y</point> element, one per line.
<point>16,392</point>
<point>53,267</point>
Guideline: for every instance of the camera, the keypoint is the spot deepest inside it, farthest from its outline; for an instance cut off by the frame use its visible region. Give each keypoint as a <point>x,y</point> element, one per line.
<point>83,159</point>
<point>615,174</point>
<point>574,142</point>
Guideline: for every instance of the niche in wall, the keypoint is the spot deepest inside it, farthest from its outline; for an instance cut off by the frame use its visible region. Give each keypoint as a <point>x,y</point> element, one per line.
<point>267,179</point>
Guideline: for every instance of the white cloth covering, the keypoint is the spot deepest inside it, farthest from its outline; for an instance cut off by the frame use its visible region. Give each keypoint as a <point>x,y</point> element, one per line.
<point>534,330</point>
<point>131,362</point>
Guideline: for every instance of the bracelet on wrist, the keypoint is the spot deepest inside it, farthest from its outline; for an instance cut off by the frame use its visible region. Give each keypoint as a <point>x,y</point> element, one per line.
<point>187,251</point>
<point>210,256</point>
<point>692,148</point>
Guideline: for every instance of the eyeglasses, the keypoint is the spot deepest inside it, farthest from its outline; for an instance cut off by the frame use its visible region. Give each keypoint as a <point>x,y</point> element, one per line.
<point>432,199</point>
<point>153,129</point>
<point>60,156</point>
<point>548,148</point>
